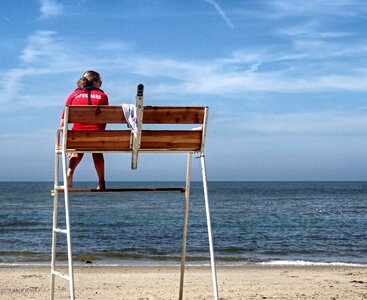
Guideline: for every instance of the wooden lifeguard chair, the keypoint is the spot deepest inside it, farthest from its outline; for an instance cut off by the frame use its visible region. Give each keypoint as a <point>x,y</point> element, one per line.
<point>124,141</point>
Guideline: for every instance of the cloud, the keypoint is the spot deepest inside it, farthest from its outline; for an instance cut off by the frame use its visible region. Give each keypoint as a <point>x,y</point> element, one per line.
<point>297,69</point>
<point>51,8</point>
<point>40,44</point>
<point>221,13</point>
<point>11,84</point>
<point>316,8</point>
<point>6,19</point>
<point>316,123</point>
<point>113,45</point>
<point>49,53</point>
<point>298,11</point>
<point>44,55</point>
<point>312,30</point>
<point>303,123</point>
<point>243,72</point>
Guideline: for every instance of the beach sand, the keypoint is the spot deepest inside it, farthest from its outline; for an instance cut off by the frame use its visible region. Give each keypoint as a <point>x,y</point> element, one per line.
<point>252,282</point>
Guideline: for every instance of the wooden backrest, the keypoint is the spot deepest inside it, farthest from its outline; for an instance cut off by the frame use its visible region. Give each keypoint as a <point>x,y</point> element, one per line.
<point>151,115</point>
<point>150,140</point>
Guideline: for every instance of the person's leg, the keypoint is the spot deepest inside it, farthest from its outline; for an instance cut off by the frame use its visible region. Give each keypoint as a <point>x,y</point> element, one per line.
<point>74,161</point>
<point>98,160</point>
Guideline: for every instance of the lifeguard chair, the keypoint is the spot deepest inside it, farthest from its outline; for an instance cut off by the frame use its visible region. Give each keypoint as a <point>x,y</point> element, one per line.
<point>125,141</point>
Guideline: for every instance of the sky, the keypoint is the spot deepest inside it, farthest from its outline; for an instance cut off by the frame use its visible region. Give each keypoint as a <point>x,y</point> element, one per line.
<point>285,82</point>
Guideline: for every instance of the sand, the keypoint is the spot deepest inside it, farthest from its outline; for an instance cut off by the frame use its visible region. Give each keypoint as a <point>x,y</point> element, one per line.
<point>255,282</point>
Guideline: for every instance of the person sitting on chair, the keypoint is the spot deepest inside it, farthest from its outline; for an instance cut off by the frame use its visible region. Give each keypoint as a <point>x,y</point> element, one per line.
<point>88,92</point>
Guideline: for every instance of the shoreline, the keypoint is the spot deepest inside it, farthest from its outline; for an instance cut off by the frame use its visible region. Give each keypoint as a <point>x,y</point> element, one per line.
<point>147,263</point>
<point>162,282</point>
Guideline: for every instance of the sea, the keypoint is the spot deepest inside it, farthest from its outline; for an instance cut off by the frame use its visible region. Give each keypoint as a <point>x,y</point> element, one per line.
<point>253,223</point>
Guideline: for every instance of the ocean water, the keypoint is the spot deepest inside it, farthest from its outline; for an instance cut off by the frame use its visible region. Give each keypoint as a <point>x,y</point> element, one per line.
<point>253,223</point>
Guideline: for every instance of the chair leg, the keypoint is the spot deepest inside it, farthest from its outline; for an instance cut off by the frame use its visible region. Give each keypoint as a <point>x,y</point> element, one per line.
<point>53,251</point>
<point>68,227</point>
<point>211,244</point>
<point>186,219</point>
<point>54,222</point>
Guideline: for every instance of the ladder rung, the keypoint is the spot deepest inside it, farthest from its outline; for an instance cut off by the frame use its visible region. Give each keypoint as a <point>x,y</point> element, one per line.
<point>60,230</point>
<point>60,274</point>
<point>59,188</point>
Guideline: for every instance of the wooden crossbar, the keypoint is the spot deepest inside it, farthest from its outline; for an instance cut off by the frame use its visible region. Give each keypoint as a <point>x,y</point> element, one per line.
<point>127,190</point>
<point>152,114</point>
<point>119,140</point>
<point>174,114</point>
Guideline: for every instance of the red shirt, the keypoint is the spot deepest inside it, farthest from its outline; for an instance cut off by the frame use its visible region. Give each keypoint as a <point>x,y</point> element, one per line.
<point>80,97</point>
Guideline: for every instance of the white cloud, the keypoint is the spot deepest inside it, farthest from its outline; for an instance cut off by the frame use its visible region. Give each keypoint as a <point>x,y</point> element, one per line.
<point>297,70</point>
<point>40,44</point>
<point>310,123</point>
<point>298,11</point>
<point>113,45</point>
<point>11,85</point>
<point>317,8</point>
<point>312,30</point>
<point>221,13</point>
<point>51,8</point>
<point>241,73</point>
<point>43,56</point>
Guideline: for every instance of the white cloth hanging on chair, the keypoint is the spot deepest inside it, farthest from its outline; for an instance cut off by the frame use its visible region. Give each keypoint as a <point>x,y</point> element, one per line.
<point>131,117</point>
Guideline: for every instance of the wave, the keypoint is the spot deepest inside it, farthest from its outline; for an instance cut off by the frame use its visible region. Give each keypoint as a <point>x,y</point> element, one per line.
<point>140,257</point>
<point>149,263</point>
<point>303,263</point>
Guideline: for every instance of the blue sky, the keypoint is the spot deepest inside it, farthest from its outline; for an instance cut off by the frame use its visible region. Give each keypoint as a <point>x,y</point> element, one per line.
<point>285,81</point>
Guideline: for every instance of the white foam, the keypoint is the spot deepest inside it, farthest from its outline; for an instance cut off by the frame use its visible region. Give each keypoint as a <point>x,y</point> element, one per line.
<point>310,263</point>
<point>25,264</point>
<point>280,263</point>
